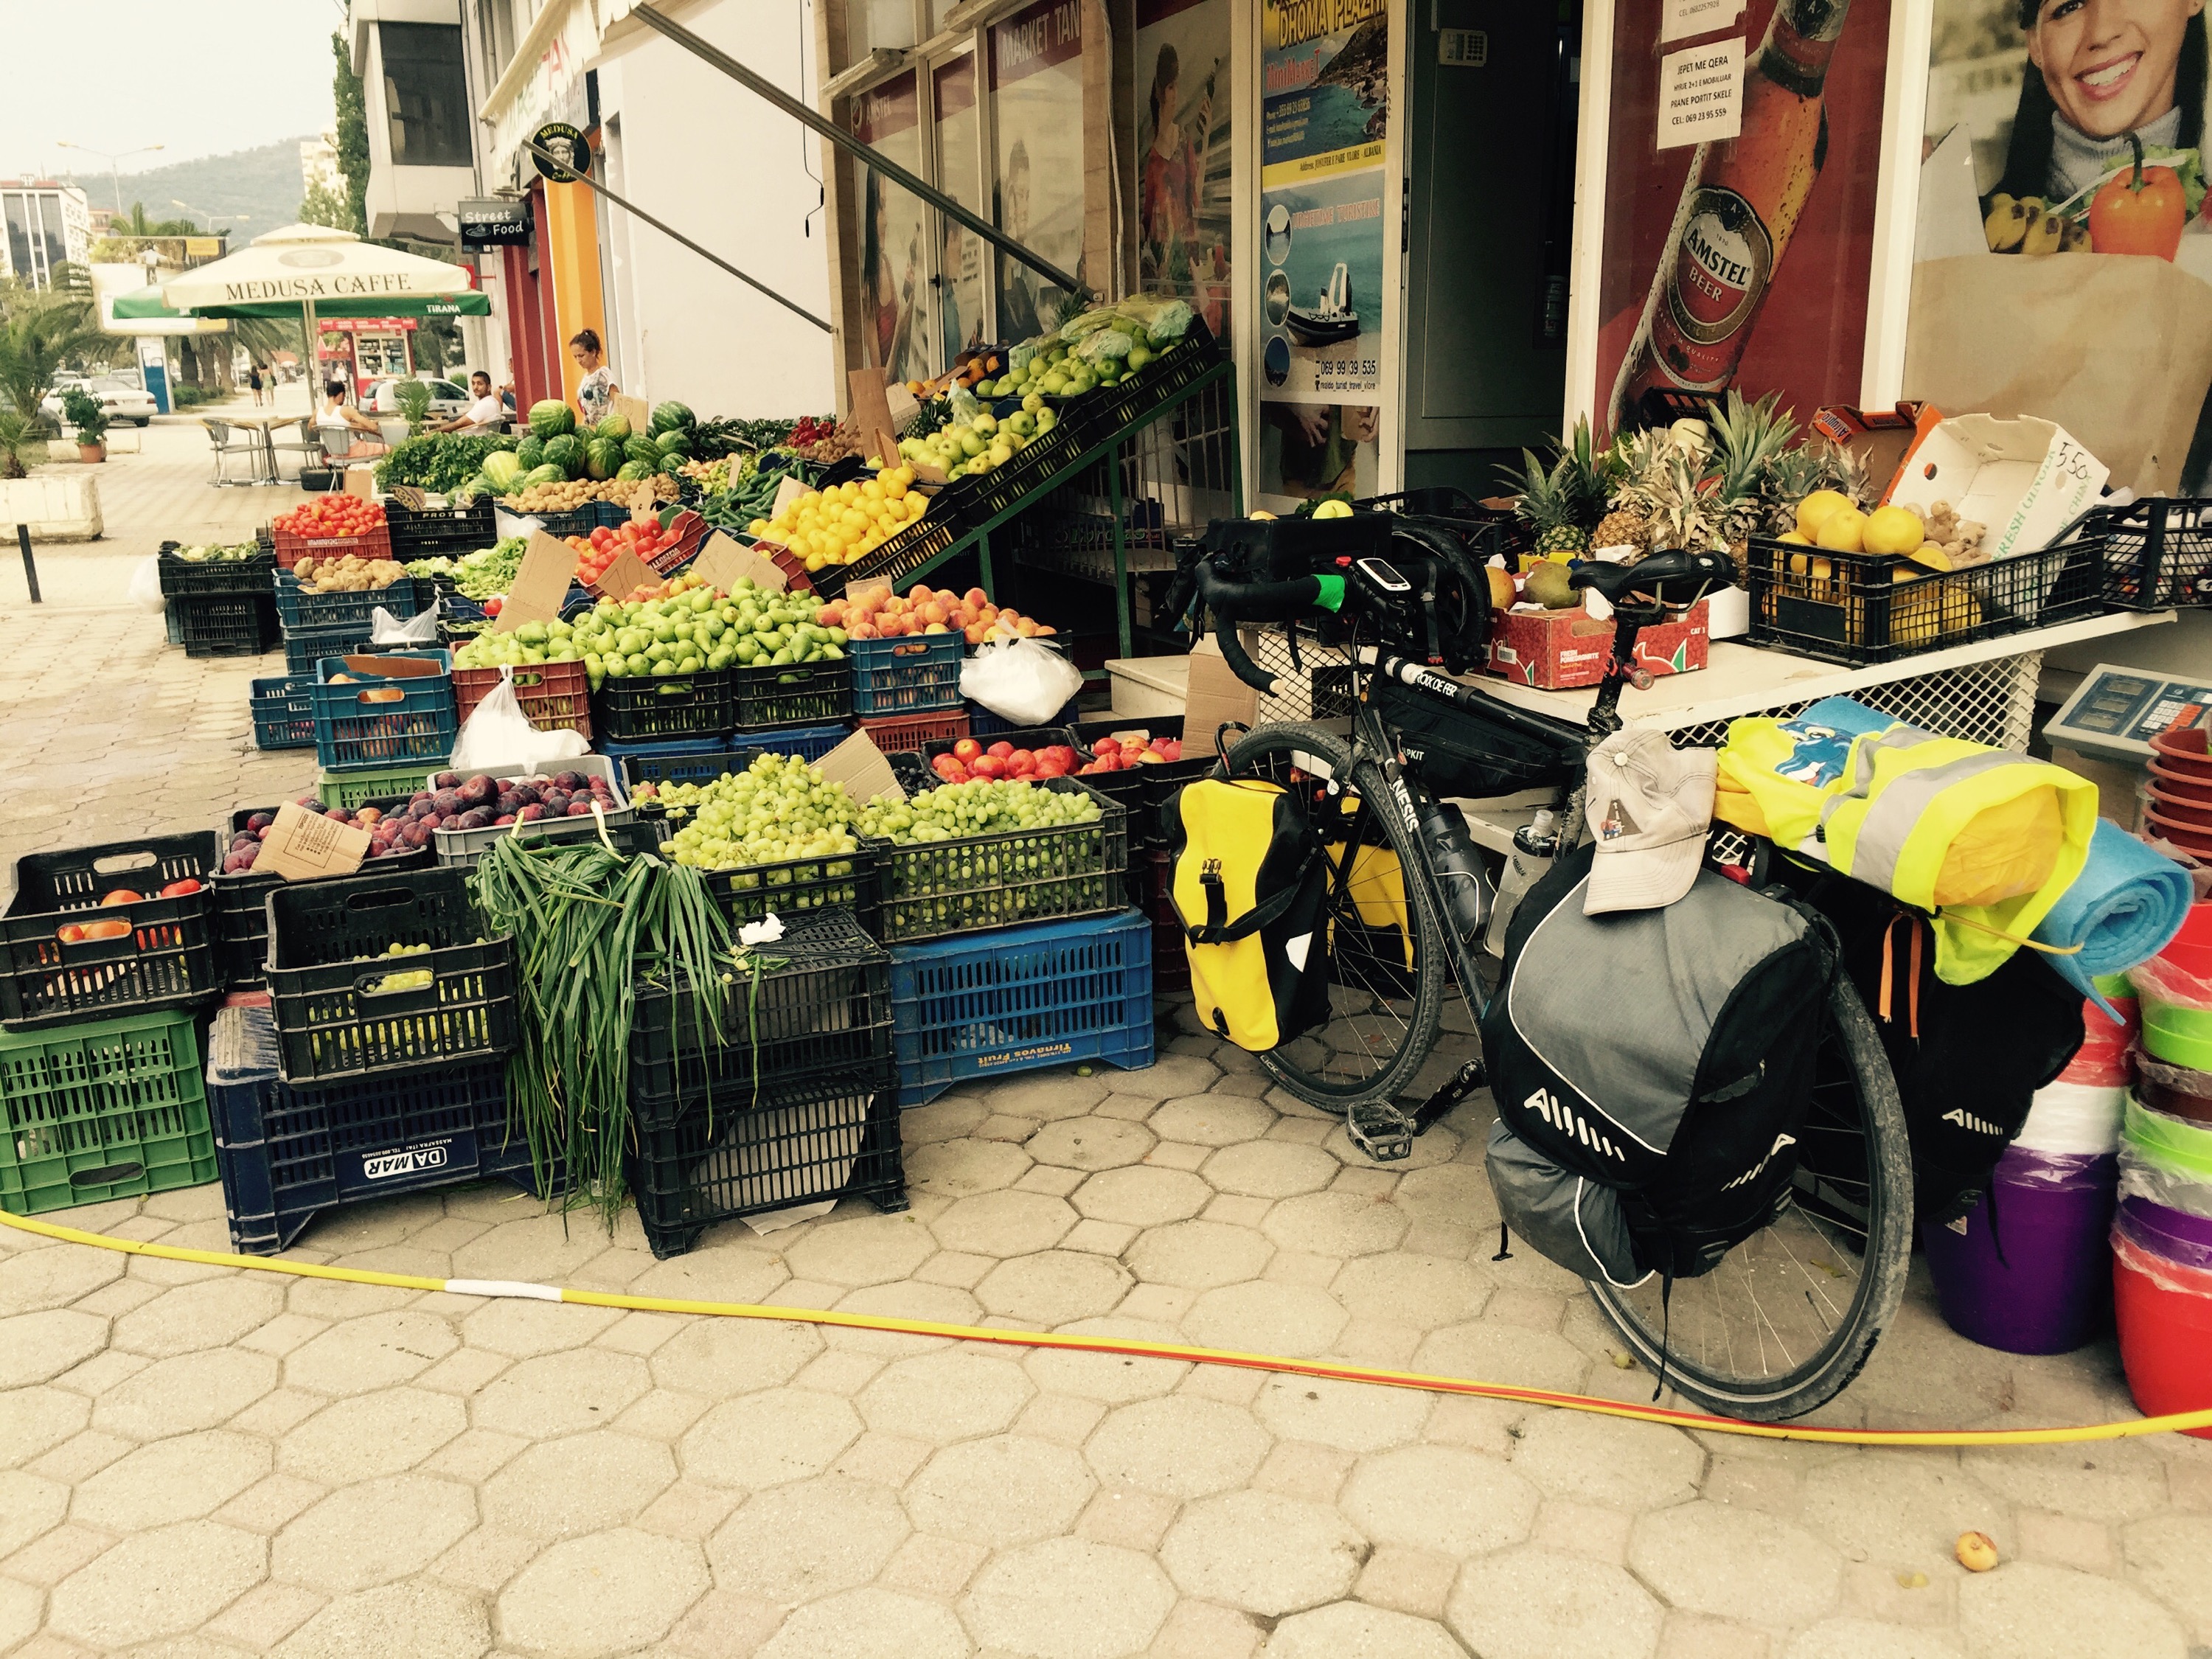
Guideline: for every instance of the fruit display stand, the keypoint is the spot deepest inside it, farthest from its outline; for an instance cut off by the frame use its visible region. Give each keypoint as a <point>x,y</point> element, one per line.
<point>372,545</point>
<point>304,647</point>
<point>210,578</point>
<point>241,907</point>
<point>440,532</point>
<point>376,719</point>
<point>300,608</point>
<point>356,789</point>
<point>69,956</point>
<point>2157,553</point>
<point>461,848</point>
<point>114,1108</point>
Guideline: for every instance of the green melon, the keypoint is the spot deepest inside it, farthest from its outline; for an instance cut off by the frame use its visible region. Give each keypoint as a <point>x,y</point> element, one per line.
<point>529,453</point>
<point>632,471</point>
<point>502,467</point>
<point>567,453</point>
<point>642,448</point>
<point>675,446</point>
<point>672,414</point>
<point>602,457</point>
<point>548,474</point>
<point>550,418</point>
<point>616,427</point>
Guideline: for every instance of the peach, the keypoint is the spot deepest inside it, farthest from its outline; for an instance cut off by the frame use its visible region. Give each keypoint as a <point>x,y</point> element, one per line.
<point>976,596</point>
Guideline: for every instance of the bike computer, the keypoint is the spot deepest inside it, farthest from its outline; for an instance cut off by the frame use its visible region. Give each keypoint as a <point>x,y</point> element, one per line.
<point>1383,575</point>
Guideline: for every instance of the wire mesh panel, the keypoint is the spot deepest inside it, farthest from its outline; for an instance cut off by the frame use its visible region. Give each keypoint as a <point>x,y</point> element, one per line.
<point>1992,702</point>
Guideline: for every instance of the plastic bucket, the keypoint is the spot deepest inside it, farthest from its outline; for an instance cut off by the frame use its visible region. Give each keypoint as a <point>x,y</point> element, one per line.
<point>2171,785</point>
<point>2164,1312</point>
<point>2182,1238</point>
<point>2195,838</point>
<point>2174,1089</point>
<point>2179,1036</point>
<point>2028,1270</point>
<point>2066,1116</point>
<point>2183,754</point>
<point>2102,1061</point>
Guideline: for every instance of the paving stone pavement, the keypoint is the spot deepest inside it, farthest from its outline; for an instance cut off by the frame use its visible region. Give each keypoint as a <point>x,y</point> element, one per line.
<point>197,1463</point>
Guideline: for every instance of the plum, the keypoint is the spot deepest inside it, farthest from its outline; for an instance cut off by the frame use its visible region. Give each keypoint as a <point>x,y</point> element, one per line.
<point>556,803</point>
<point>243,838</point>
<point>503,819</point>
<point>478,818</point>
<point>446,781</point>
<point>417,833</point>
<point>569,782</point>
<point>508,805</point>
<point>451,821</point>
<point>527,794</point>
<point>479,791</point>
<point>261,820</point>
<point>419,795</point>
<point>580,809</point>
<point>448,802</point>
<point>532,813</point>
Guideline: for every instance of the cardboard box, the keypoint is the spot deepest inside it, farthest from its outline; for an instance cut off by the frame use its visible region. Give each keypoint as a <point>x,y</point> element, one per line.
<point>723,563</point>
<point>1215,697</point>
<point>860,767</point>
<point>2026,480</point>
<point>304,846</point>
<point>1880,437</point>
<point>1559,650</point>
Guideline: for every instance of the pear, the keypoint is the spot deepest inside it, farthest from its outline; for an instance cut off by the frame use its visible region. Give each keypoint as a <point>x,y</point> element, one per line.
<point>1549,586</point>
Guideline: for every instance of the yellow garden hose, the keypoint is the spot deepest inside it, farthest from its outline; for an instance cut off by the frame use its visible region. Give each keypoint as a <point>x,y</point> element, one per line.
<point>2174,1422</point>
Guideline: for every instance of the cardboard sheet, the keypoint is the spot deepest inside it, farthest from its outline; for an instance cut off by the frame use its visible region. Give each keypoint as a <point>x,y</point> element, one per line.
<point>539,584</point>
<point>304,846</point>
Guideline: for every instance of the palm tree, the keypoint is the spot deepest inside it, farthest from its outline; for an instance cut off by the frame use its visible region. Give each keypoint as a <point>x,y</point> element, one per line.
<point>38,334</point>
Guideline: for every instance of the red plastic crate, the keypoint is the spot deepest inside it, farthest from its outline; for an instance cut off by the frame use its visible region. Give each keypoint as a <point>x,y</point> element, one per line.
<point>905,735</point>
<point>290,549</point>
<point>556,696</point>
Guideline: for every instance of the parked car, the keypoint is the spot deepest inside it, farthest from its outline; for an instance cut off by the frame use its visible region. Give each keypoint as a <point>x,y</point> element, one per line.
<point>446,400</point>
<point>122,400</point>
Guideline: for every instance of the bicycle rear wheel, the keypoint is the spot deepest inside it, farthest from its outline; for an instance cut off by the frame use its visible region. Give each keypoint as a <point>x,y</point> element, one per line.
<point>1388,975</point>
<point>1788,1317</point>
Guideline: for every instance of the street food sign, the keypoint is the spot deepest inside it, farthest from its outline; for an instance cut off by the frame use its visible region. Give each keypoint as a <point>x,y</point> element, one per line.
<point>488,223</point>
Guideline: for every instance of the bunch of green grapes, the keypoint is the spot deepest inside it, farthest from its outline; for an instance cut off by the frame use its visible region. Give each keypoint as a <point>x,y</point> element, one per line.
<point>777,809</point>
<point>954,811</point>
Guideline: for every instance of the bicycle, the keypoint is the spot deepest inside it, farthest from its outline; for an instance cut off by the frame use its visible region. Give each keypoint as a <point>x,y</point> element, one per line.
<point>1786,1320</point>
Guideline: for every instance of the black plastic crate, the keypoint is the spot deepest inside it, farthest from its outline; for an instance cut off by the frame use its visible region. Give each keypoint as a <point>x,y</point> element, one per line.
<point>933,889</point>
<point>713,1164</point>
<point>430,532</point>
<point>917,545</point>
<point>286,1155</point>
<point>817,1015</point>
<point>227,625</point>
<point>795,693</point>
<point>1100,413</point>
<point>304,647</point>
<point>2157,552</point>
<point>327,962</point>
<point>241,907</point>
<point>980,497</point>
<point>165,959</point>
<point>1860,609</point>
<point>206,578</point>
<point>657,710</point>
<point>1144,790</point>
<point>848,881</point>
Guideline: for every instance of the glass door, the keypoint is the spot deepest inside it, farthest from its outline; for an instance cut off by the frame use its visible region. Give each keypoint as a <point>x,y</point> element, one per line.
<point>895,270</point>
<point>961,317</point>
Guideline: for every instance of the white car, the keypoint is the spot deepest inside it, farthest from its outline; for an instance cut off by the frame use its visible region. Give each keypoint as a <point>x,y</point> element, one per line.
<point>122,400</point>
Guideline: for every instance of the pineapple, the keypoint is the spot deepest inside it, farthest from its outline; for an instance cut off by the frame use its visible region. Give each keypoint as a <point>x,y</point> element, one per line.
<point>1791,476</point>
<point>1590,476</point>
<point>1748,438</point>
<point>1673,498</point>
<point>1622,527</point>
<point>1547,504</point>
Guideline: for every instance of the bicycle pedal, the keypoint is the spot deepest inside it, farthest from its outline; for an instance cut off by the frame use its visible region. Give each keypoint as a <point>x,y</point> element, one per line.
<point>1461,1083</point>
<point>1381,1131</point>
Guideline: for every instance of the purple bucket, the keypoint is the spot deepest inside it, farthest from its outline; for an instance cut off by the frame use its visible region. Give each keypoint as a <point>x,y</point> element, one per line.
<point>2039,1279</point>
<point>2176,1235</point>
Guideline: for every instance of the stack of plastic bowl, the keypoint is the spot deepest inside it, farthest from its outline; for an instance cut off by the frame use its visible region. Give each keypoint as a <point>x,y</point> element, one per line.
<point>2180,805</point>
<point>2028,1269</point>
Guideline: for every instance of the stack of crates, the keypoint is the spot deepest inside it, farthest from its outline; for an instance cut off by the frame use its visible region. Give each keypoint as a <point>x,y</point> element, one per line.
<point>905,691</point>
<point>221,608</point>
<point>383,724</point>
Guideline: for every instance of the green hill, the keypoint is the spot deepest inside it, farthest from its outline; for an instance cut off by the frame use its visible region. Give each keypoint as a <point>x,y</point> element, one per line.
<point>262,183</point>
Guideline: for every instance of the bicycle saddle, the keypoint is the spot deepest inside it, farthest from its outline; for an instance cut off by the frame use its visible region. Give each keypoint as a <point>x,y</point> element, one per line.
<point>1674,577</point>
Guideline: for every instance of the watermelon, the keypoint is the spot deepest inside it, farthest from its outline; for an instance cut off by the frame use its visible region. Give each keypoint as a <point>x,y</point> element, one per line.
<point>615,427</point>
<point>502,467</point>
<point>632,471</point>
<point>529,453</point>
<point>675,446</point>
<point>602,457</point>
<point>550,418</point>
<point>642,448</point>
<point>567,453</point>
<point>548,474</point>
<point>672,414</point>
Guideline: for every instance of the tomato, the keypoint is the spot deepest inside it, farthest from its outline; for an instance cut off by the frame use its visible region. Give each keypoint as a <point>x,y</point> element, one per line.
<point>70,932</point>
<point>180,889</point>
<point>106,930</point>
<point>966,748</point>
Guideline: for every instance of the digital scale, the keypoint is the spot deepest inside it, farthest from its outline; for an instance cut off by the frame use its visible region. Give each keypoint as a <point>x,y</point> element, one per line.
<point>2117,712</point>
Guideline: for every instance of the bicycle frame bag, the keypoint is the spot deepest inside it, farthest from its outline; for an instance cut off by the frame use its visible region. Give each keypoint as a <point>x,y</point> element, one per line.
<point>1250,889</point>
<point>1652,1070</point>
<point>1457,752</point>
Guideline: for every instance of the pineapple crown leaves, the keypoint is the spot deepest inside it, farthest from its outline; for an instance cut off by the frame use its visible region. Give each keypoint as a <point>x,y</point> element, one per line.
<point>1747,437</point>
<point>1544,490</point>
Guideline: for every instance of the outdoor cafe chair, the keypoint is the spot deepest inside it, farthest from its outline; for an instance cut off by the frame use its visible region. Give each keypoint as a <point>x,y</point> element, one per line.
<point>305,443</point>
<point>231,438</point>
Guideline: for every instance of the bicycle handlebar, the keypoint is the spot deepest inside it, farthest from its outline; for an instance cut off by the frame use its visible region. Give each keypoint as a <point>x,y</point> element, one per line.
<point>1241,602</point>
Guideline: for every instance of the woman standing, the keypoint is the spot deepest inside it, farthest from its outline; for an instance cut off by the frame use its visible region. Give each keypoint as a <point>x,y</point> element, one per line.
<point>253,380</point>
<point>1174,171</point>
<point>595,392</point>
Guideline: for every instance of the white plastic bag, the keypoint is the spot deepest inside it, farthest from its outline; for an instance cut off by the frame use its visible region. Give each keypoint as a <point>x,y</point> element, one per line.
<point>385,629</point>
<point>497,735</point>
<point>1024,681</point>
<point>514,523</point>
<point>145,590</point>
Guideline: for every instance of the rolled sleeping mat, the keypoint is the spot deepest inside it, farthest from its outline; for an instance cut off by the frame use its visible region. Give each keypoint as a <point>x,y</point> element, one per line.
<point>2123,910</point>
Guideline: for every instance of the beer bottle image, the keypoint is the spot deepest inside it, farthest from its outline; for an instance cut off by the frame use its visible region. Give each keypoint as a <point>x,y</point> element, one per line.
<point>1740,206</point>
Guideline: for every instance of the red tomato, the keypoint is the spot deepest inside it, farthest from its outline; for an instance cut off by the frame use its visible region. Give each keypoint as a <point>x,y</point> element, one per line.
<point>180,889</point>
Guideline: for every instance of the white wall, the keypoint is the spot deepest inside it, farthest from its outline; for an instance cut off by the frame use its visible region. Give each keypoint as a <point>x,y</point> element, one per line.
<point>733,173</point>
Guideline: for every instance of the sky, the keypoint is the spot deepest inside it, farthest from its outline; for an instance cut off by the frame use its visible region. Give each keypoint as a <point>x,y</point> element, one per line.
<point>199,77</point>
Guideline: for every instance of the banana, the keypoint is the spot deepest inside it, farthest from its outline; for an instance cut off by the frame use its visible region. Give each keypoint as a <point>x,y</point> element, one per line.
<point>2043,234</point>
<point>2006,224</point>
<point>2075,239</point>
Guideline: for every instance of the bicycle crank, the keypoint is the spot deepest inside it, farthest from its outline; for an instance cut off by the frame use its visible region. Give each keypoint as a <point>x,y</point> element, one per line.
<point>1385,1132</point>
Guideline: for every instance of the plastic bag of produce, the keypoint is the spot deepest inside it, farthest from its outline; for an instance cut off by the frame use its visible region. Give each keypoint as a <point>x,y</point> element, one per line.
<point>145,591</point>
<point>498,733</point>
<point>1023,355</point>
<point>385,629</point>
<point>1108,345</point>
<point>1172,323</point>
<point>515,523</point>
<point>1089,323</point>
<point>963,404</point>
<point>1024,681</point>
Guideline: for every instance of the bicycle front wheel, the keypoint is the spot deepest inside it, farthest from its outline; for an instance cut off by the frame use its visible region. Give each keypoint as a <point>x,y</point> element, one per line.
<point>1387,970</point>
<point>1788,1318</point>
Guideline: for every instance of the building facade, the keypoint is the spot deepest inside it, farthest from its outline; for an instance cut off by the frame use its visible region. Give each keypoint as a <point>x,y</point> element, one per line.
<point>319,163</point>
<point>48,224</point>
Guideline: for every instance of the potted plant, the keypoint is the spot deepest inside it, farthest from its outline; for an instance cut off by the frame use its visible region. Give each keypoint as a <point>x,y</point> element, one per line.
<point>414,398</point>
<point>91,420</point>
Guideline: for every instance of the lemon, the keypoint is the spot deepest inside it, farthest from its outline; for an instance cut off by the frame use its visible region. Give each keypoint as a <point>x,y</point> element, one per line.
<point>1815,508</point>
<point>1794,538</point>
<point>1842,530</point>
<point>1933,558</point>
<point>1893,530</point>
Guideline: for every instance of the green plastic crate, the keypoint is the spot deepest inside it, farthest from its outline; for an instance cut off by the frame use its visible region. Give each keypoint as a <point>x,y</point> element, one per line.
<point>112,1109</point>
<point>350,789</point>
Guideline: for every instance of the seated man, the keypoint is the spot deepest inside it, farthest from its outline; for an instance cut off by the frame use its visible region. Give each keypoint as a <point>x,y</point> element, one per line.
<point>484,414</point>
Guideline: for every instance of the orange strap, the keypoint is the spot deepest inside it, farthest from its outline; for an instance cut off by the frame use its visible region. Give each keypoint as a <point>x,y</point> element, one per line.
<point>1912,988</point>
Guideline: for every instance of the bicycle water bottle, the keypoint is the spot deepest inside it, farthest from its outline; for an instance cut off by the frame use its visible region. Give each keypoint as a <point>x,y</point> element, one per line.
<point>1458,865</point>
<point>1522,871</point>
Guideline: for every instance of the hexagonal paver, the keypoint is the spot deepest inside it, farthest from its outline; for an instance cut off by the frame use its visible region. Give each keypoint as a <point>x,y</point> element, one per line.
<point>718,1358</point>
<point>1199,1256</point>
<point>1440,1498</point>
<point>377,1350</point>
<point>1353,1416</point>
<point>1457,1193</point>
<point>1004,1490</point>
<point>212,1313</point>
<point>1349,1631</point>
<point>1067,1598</point>
<point>1424,1292</point>
<point>419,1619</point>
<point>1270,1169</point>
<point>520,1329</point>
<point>192,1391</point>
<point>1489,1350</point>
<point>765,1439</point>
<point>36,1347</point>
<point>1265,1317</point>
<point>1538,1604</point>
<point>32,1505</point>
<point>1211,1120</point>
<point>31,1280</point>
<point>1336,1223</point>
<point>724,1268</point>
<point>1864,1638</point>
<point>177,1479</point>
<point>1004,1223</point>
<point>1143,1195</point>
<point>2167,1555</point>
<point>371,1434</point>
<point>34,1421</point>
<point>1169,1076</point>
<point>561,1393</point>
<point>582,1483</point>
<point>812,1539</point>
<point>1609,1460</point>
<point>962,1168</point>
<point>1182,1446</point>
<point>2027,1610</point>
<point>368,1535</point>
<point>2120,1481</point>
<point>1262,1552</point>
<point>865,1624</point>
<point>1903,1509</point>
<point>1043,1095</point>
<point>955,1394</point>
<point>946,1118</point>
<point>603,1594</point>
<point>1113,1377</point>
<point>22,1608</point>
<point>870,1249</point>
<point>1735,1563</point>
<point>1090,1143</point>
<point>1054,1287</point>
<point>162,1583</point>
<point>550,1250</point>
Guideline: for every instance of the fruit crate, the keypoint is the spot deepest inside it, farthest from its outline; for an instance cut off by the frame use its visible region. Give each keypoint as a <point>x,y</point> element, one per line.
<point>164,958</point>
<point>575,521</point>
<point>379,721</point>
<point>209,578</point>
<point>846,881</point>
<point>2157,553</point>
<point>933,533</point>
<point>114,1108</point>
<point>795,693</point>
<point>650,709</point>
<point>675,762</point>
<point>912,676</point>
<point>1861,609</point>
<point>356,789</point>
<point>241,907</point>
<point>291,548</point>
<point>816,1018</point>
<point>1104,410</point>
<point>908,734</point>
<point>932,889</point>
<point>981,498</point>
<point>982,723</point>
<point>461,848</point>
<point>690,530</point>
<point>284,712</point>
<point>286,1155</point>
<point>240,625</point>
<point>1145,791</point>
<point>432,533</point>
<point>402,598</point>
<point>714,1163</point>
<point>1153,880</point>
<point>1050,995</point>
<point>1022,736</point>
<point>327,941</point>
<point>305,647</point>
<point>556,696</point>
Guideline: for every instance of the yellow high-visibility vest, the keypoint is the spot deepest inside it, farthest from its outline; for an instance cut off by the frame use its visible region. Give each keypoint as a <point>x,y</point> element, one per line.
<point>1984,839</point>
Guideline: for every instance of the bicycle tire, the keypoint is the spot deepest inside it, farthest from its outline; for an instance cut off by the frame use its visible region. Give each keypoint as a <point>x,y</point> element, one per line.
<point>1386,1015</point>
<point>1885,1255</point>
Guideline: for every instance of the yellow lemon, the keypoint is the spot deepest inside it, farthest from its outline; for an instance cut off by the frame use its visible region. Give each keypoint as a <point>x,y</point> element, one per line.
<point>1794,538</point>
<point>1893,530</point>
<point>1815,508</point>
<point>1931,556</point>
<point>1843,531</point>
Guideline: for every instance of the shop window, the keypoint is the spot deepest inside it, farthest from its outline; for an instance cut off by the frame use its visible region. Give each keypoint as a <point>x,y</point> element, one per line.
<point>1037,88</point>
<point>959,175</point>
<point>895,261</point>
<point>425,95</point>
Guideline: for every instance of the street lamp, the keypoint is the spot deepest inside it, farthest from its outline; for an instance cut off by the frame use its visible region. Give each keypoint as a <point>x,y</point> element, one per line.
<point>236,218</point>
<point>111,157</point>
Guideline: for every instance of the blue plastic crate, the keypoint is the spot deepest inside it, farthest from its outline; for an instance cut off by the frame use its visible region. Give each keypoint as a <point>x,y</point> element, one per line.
<point>680,759</point>
<point>418,726</point>
<point>807,742</point>
<point>909,676</point>
<point>403,598</point>
<point>306,646</point>
<point>1017,999</point>
<point>287,1154</point>
<point>284,712</point>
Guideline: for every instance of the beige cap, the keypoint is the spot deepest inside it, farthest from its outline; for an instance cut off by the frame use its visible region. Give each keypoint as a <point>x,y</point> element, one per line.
<point>1648,806</point>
